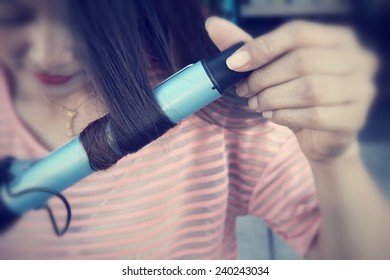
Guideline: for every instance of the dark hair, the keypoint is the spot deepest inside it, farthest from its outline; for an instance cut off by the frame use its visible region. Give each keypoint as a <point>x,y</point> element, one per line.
<point>120,42</point>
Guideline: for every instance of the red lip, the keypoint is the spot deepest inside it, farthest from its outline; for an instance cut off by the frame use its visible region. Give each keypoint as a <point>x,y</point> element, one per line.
<point>52,79</point>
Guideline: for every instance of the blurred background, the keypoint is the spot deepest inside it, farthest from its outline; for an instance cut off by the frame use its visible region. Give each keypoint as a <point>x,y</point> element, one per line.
<point>371,20</point>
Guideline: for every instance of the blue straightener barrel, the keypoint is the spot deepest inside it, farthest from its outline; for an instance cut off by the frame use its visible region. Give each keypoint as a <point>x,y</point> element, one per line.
<point>179,96</point>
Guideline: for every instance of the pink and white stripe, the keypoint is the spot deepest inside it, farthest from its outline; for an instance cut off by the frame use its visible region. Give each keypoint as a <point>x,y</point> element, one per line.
<point>177,198</point>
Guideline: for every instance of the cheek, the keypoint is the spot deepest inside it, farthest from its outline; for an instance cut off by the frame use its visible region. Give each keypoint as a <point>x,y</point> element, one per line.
<point>12,42</point>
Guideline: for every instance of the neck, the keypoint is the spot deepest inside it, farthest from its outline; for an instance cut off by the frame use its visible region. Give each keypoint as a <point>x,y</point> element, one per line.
<point>52,125</point>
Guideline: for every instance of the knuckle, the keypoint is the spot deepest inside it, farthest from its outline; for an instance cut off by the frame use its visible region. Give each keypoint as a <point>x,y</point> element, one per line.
<point>303,62</point>
<point>315,117</point>
<point>265,100</point>
<point>371,92</point>
<point>264,47</point>
<point>371,88</point>
<point>297,28</point>
<point>313,89</point>
<point>256,81</point>
<point>340,138</point>
<point>358,123</point>
<point>283,116</point>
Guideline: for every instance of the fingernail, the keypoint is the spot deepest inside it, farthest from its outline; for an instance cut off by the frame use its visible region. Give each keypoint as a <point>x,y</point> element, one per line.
<point>242,89</point>
<point>252,103</point>
<point>267,114</point>
<point>210,19</point>
<point>238,60</point>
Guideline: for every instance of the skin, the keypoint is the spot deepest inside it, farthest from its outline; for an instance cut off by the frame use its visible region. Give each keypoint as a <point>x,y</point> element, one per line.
<point>318,81</point>
<point>41,42</point>
<point>315,79</point>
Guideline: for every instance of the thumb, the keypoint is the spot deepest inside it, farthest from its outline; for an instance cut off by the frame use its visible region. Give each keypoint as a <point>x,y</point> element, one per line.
<point>224,33</point>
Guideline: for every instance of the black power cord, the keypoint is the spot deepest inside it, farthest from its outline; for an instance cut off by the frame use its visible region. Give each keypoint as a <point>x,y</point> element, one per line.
<point>8,218</point>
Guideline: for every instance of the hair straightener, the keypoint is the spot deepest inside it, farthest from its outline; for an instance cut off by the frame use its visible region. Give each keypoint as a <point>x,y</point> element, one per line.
<point>27,185</point>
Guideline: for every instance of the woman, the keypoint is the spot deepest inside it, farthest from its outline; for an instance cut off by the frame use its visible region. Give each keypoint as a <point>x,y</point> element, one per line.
<point>66,66</point>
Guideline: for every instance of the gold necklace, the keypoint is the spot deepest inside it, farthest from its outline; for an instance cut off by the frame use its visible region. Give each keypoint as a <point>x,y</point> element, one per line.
<point>71,113</point>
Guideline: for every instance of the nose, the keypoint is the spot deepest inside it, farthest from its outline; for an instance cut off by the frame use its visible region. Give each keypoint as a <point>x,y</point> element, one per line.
<point>50,46</point>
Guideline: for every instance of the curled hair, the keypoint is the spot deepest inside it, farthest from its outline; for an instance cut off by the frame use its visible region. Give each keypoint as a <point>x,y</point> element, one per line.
<point>119,41</point>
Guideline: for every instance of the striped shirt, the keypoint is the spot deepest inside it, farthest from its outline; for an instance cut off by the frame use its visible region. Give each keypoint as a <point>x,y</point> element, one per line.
<point>177,198</point>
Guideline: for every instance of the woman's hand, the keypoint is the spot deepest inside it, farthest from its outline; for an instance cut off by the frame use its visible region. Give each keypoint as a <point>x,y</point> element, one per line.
<point>315,79</point>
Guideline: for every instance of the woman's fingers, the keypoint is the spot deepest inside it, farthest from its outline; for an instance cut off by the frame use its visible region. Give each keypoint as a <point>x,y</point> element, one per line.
<point>306,75</point>
<point>312,90</point>
<point>300,63</point>
<point>344,118</point>
<point>293,35</point>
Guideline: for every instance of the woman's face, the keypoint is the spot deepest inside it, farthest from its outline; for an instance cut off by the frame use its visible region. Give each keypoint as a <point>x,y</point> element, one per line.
<point>37,48</point>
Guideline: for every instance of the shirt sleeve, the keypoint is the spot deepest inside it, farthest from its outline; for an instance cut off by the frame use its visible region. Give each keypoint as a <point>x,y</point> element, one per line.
<point>285,197</point>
